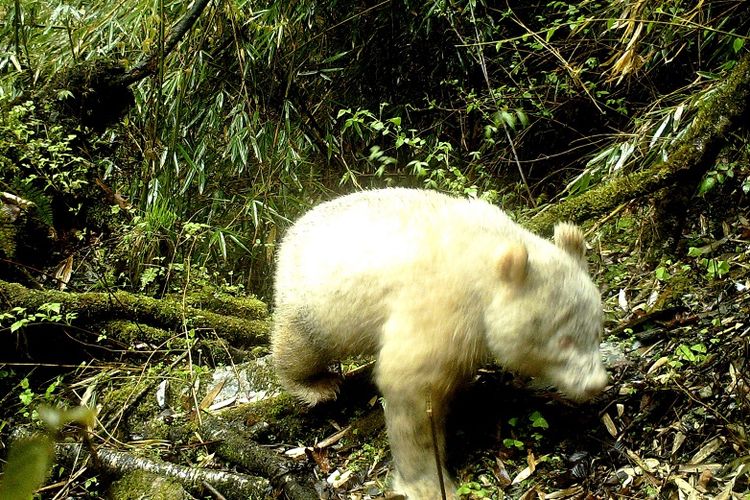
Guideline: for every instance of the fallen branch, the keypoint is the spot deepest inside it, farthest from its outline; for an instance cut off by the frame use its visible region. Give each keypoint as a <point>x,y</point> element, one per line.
<point>230,484</point>
<point>165,314</point>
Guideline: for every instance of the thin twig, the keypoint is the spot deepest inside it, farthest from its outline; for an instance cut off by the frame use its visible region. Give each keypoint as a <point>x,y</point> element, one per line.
<point>483,65</point>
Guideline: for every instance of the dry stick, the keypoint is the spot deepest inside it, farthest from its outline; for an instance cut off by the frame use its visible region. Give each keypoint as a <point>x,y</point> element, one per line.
<point>435,447</point>
<point>214,491</point>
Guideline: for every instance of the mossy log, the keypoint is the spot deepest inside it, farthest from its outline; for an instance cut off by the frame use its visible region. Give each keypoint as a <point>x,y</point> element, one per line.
<point>690,158</point>
<point>221,303</point>
<point>162,315</point>
<point>195,479</point>
<point>132,335</point>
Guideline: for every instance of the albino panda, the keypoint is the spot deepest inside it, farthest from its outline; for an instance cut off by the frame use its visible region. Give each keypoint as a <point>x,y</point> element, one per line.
<point>433,286</point>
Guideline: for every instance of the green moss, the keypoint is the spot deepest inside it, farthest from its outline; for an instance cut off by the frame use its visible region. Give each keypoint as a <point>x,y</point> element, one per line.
<point>222,303</point>
<point>165,313</point>
<point>129,332</point>
<point>7,235</point>
<point>283,412</point>
<point>141,484</point>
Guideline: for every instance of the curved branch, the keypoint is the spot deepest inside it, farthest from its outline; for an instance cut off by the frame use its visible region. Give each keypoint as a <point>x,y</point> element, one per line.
<point>147,65</point>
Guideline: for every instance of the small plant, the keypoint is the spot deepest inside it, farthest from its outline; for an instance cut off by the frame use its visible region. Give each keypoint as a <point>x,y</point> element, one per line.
<point>694,354</point>
<point>513,443</point>
<point>48,312</point>
<point>715,268</point>
<point>427,159</point>
<point>538,422</point>
<point>37,159</point>
<point>473,489</point>
<point>716,177</point>
<point>28,397</point>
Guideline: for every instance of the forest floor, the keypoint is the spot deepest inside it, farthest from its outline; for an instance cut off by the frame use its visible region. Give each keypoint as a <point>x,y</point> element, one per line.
<point>671,424</point>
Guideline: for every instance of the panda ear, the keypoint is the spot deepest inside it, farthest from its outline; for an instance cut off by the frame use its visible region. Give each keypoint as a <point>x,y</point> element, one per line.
<point>569,237</point>
<point>513,263</point>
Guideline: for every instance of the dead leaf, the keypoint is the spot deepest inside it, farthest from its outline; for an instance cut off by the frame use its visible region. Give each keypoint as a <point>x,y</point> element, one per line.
<point>609,425</point>
<point>63,272</point>
<point>658,364</point>
<point>522,476</point>
<point>567,492</point>
<point>531,460</point>
<point>321,458</point>
<point>686,488</point>
<point>501,474</point>
<point>679,438</point>
<point>337,479</point>
<point>704,479</point>
<point>297,453</point>
<point>622,300</point>
<point>211,395</point>
<point>707,450</point>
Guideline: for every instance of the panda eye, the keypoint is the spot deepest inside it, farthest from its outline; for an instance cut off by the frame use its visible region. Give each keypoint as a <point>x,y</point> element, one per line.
<point>565,342</point>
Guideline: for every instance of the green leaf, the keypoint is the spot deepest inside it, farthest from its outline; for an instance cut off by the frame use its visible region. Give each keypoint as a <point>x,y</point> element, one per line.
<point>659,131</point>
<point>513,443</point>
<point>701,348</point>
<point>723,267</point>
<point>522,118</point>
<point>662,274</point>
<point>18,325</point>
<point>26,398</point>
<point>537,420</point>
<point>508,119</point>
<point>51,307</point>
<point>707,184</point>
<point>738,43</point>
<point>28,464</point>
<point>684,352</point>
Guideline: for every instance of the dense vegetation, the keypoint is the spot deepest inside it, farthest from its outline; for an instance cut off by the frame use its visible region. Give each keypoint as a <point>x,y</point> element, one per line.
<point>163,147</point>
